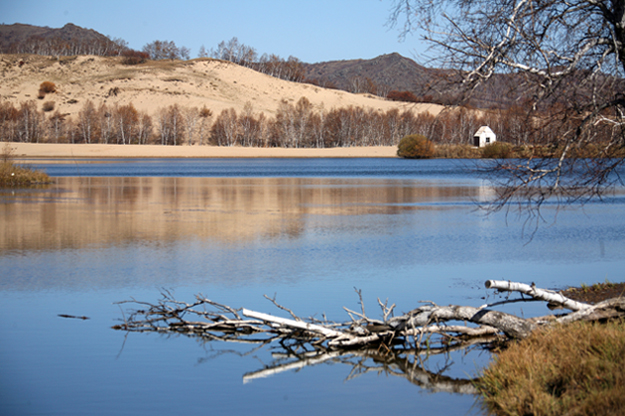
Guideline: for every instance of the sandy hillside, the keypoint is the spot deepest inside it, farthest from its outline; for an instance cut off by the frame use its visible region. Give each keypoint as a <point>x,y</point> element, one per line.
<point>154,85</point>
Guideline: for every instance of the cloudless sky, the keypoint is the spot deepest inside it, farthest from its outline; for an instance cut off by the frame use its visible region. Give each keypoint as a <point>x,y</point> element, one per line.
<point>311,30</point>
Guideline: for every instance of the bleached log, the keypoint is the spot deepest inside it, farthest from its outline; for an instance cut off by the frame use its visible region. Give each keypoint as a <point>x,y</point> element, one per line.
<point>511,325</point>
<point>457,329</point>
<point>610,308</point>
<point>536,293</point>
<point>328,332</point>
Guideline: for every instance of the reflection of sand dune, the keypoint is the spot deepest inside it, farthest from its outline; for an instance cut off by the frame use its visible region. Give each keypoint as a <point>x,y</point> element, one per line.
<point>77,212</point>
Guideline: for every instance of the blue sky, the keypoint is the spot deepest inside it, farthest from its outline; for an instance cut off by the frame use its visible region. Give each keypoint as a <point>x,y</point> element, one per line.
<point>311,30</point>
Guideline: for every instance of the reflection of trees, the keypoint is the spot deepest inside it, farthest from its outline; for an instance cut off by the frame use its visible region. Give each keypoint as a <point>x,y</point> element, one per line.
<point>91,210</point>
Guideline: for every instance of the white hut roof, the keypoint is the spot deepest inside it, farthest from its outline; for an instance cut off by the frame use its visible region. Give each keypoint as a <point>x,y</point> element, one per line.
<point>483,130</point>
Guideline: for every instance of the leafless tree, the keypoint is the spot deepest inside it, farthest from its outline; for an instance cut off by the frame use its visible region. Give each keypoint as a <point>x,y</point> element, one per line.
<point>163,49</point>
<point>202,53</point>
<point>126,118</point>
<point>30,123</point>
<point>106,123</point>
<point>144,128</point>
<point>569,57</point>
<point>171,123</point>
<point>57,127</point>
<point>225,129</point>
<point>87,123</point>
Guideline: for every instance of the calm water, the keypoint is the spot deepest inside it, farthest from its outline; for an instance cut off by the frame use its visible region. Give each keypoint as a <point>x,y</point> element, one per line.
<point>309,231</point>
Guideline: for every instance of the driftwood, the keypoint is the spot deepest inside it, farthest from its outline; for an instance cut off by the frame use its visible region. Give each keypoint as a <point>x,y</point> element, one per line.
<point>426,327</point>
<point>392,345</point>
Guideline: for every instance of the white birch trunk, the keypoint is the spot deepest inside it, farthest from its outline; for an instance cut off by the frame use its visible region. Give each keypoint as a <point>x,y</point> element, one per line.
<point>536,293</point>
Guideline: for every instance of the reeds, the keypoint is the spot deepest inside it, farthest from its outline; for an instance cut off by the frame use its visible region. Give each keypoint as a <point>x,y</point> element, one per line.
<point>577,369</point>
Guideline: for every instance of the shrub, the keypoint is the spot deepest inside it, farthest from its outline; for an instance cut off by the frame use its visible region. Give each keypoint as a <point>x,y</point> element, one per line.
<point>132,57</point>
<point>406,96</point>
<point>48,106</point>
<point>497,150</point>
<point>12,175</point>
<point>47,87</point>
<point>416,146</point>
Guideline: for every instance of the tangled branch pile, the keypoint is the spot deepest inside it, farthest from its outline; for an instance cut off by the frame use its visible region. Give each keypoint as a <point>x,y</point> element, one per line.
<point>426,327</point>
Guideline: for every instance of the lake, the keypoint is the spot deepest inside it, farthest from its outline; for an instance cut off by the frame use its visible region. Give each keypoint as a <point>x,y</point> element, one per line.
<point>309,231</point>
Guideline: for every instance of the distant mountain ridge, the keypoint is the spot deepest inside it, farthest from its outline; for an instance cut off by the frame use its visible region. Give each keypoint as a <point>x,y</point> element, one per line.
<point>72,39</point>
<point>393,70</point>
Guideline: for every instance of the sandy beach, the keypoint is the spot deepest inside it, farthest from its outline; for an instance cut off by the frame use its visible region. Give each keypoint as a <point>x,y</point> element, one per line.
<point>29,150</point>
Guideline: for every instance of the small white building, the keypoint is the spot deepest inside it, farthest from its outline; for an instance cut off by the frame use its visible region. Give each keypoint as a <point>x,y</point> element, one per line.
<point>484,136</point>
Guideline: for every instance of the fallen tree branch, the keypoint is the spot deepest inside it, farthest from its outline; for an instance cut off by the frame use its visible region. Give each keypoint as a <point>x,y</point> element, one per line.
<point>540,294</point>
<point>424,328</point>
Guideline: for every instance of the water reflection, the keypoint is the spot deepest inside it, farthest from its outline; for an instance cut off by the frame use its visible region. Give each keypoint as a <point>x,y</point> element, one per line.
<point>81,212</point>
<point>414,366</point>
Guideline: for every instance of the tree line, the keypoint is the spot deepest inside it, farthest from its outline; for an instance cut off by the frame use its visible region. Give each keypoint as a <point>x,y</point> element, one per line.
<point>294,125</point>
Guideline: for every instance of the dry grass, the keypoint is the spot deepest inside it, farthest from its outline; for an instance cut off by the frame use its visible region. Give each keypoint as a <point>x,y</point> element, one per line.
<point>578,369</point>
<point>501,150</point>
<point>455,151</point>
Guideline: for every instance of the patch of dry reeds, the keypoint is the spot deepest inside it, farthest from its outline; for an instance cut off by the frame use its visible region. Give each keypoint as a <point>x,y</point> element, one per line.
<point>577,369</point>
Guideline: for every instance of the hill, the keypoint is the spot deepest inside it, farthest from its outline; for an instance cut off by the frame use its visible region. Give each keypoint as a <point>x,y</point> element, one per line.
<point>394,72</point>
<point>153,85</point>
<point>68,40</point>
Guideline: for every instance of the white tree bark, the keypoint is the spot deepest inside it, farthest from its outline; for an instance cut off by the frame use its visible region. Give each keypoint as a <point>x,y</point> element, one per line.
<point>536,293</point>
<point>292,323</point>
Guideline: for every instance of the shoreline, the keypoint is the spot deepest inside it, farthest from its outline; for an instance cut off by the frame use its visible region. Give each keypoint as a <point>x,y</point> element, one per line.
<point>103,151</point>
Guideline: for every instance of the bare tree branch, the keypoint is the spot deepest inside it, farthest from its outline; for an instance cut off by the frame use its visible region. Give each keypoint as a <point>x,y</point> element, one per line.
<point>570,57</point>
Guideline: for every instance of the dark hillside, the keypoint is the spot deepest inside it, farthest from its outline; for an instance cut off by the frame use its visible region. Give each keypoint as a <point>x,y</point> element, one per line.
<point>394,72</point>
<point>68,40</point>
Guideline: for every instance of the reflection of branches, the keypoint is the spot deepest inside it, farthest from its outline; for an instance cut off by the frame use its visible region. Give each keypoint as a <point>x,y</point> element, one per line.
<point>401,363</point>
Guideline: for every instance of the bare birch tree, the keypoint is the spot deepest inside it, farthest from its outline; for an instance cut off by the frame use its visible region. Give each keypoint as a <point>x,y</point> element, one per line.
<point>30,123</point>
<point>87,123</point>
<point>567,55</point>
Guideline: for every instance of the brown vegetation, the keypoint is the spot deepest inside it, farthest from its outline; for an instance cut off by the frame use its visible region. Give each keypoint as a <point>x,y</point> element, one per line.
<point>13,176</point>
<point>48,106</point>
<point>577,369</point>
<point>47,87</point>
<point>415,146</point>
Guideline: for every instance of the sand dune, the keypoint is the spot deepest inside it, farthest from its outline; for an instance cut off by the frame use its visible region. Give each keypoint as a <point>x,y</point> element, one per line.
<point>218,85</point>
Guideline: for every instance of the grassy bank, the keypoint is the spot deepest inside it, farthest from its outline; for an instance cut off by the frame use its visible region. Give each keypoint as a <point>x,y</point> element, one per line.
<point>577,369</point>
<point>14,176</point>
<point>501,150</point>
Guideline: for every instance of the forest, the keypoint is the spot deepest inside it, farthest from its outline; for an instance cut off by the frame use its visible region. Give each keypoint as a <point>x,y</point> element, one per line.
<point>292,126</point>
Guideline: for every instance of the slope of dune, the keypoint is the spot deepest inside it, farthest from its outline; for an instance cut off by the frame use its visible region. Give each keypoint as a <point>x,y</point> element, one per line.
<point>218,85</point>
